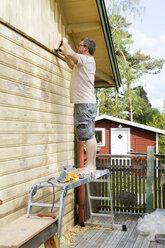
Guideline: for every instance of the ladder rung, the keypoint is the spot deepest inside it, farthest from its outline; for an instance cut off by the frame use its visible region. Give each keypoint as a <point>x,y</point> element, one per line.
<point>99,198</point>
<point>44,205</point>
<point>102,215</point>
<point>113,226</point>
<point>100,181</point>
<point>99,224</point>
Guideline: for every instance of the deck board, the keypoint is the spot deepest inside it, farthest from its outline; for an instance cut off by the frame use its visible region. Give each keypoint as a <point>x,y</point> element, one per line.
<point>114,239</point>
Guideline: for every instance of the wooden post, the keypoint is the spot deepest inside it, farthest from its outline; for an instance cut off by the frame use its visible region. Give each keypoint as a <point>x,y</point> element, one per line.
<point>150,179</point>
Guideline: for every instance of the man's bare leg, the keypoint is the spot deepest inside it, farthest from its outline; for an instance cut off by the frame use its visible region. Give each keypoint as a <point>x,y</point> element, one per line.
<point>91,147</point>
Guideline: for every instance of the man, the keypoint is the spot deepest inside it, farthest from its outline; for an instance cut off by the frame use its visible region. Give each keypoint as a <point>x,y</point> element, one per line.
<point>82,95</point>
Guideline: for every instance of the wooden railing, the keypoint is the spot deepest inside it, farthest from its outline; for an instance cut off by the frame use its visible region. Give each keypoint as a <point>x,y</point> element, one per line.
<point>128,180</point>
<point>137,182</point>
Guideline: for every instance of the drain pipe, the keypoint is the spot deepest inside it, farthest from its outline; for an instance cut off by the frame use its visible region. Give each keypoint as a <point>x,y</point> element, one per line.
<point>81,189</point>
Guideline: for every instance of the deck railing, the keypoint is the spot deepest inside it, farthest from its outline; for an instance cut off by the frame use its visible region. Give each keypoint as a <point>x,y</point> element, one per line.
<point>137,182</point>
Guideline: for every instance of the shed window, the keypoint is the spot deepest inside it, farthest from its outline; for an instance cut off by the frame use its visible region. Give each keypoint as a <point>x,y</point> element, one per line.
<point>100,136</point>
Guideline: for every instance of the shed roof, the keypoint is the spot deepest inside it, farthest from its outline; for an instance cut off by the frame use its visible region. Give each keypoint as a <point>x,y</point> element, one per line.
<point>130,123</point>
<point>89,18</point>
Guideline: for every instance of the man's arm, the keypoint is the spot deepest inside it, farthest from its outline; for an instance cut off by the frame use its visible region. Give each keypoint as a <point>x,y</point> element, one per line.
<point>69,62</point>
<point>70,55</point>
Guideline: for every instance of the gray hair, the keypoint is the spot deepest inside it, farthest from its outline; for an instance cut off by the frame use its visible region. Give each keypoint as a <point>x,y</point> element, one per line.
<point>90,44</point>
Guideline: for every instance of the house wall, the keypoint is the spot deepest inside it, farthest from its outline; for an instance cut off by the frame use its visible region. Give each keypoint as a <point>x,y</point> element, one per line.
<point>42,20</point>
<point>140,138</point>
<point>36,117</point>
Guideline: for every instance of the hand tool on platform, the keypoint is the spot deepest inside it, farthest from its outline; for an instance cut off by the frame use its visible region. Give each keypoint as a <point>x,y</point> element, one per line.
<point>47,215</point>
<point>69,174</point>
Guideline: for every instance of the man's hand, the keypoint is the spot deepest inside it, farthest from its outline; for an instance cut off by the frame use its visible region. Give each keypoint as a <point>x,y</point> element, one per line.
<point>64,41</point>
<point>70,56</point>
<point>61,52</point>
<point>68,52</point>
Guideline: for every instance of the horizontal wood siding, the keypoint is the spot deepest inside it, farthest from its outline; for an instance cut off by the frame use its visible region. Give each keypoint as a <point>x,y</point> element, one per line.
<point>42,20</point>
<point>140,139</point>
<point>36,117</point>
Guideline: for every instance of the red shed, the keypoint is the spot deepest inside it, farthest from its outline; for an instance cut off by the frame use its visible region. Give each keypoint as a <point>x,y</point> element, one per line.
<point>118,136</point>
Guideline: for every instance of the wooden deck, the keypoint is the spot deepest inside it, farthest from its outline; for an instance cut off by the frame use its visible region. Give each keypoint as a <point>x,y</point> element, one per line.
<point>113,239</point>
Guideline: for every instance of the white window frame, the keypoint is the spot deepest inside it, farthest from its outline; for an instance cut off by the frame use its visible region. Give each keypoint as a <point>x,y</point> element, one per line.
<point>103,136</point>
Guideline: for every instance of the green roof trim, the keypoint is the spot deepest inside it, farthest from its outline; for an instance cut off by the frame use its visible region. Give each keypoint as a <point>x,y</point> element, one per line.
<point>108,39</point>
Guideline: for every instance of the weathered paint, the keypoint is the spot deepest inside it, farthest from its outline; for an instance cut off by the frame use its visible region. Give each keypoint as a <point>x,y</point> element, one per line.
<point>36,117</point>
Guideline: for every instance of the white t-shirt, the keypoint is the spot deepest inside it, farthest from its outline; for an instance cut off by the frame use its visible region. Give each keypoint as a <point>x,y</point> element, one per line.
<point>82,80</point>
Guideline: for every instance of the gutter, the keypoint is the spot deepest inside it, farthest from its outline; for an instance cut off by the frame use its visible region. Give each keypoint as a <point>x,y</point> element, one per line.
<point>108,40</point>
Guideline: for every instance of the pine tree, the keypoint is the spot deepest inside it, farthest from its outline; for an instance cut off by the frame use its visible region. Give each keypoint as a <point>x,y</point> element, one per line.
<point>131,66</point>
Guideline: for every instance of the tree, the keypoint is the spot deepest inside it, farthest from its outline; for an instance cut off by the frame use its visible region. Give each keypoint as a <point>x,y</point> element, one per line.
<point>134,67</point>
<point>131,66</point>
<point>142,109</point>
<point>107,103</point>
<point>159,122</point>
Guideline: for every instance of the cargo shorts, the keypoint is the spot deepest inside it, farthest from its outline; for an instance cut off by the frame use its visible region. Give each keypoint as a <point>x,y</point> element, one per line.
<point>84,120</point>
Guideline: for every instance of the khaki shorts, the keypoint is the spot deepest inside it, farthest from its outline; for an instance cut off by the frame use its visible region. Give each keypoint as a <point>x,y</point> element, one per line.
<point>84,120</point>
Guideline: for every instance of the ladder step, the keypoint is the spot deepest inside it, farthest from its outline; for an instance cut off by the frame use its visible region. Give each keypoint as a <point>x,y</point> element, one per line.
<point>110,225</point>
<point>44,205</point>
<point>113,226</point>
<point>100,181</point>
<point>99,198</point>
<point>102,215</point>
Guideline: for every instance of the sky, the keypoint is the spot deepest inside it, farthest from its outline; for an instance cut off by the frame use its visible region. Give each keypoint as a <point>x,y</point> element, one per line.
<point>149,36</point>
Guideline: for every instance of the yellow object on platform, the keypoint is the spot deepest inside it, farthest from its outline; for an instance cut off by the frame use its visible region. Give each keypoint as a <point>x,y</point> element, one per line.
<point>72,177</point>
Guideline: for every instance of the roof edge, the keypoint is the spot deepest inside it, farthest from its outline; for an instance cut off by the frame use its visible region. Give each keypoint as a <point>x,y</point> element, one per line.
<point>108,40</point>
<point>130,123</point>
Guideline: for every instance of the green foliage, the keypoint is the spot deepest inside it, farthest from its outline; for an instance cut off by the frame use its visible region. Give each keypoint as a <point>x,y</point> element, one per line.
<point>131,102</point>
<point>131,7</point>
<point>159,122</point>
<point>140,105</point>
<point>131,66</point>
<point>107,103</point>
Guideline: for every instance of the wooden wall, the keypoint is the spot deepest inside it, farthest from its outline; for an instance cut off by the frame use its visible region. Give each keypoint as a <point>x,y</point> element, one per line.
<point>36,117</point>
<point>43,20</point>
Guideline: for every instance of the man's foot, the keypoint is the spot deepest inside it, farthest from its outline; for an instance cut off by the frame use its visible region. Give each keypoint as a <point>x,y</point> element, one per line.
<point>86,171</point>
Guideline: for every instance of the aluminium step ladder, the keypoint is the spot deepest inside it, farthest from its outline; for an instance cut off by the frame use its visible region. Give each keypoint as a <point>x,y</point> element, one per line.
<point>93,214</point>
<point>64,189</point>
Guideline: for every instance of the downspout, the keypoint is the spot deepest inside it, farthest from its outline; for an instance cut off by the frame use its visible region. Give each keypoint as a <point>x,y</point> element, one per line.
<point>81,189</point>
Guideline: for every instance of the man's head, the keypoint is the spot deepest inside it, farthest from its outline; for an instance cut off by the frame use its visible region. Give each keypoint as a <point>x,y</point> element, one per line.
<point>87,45</point>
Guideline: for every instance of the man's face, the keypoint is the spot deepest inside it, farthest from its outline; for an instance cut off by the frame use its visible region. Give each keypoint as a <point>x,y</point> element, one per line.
<point>81,48</point>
